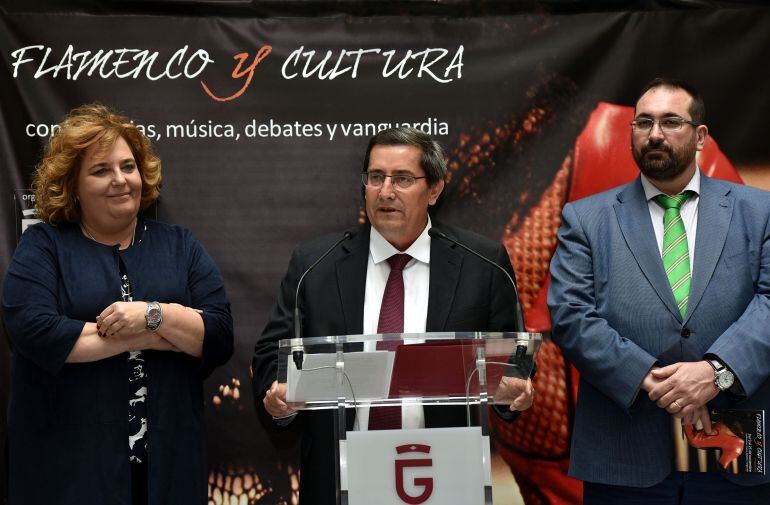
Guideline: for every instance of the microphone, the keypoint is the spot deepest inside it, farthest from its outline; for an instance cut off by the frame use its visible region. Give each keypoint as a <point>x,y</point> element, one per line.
<point>436,233</point>
<point>297,349</point>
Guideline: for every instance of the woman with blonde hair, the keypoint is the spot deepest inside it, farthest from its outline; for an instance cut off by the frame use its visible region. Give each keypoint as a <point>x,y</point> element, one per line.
<point>115,320</point>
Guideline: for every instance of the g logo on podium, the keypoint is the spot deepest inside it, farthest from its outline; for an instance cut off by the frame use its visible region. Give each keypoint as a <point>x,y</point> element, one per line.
<point>425,482</point>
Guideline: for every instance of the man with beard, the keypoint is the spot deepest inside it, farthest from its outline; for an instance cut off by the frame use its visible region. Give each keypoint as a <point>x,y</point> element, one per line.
<point>659,295</point>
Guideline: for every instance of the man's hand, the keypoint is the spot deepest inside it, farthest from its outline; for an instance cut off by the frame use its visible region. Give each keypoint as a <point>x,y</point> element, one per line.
<point>518,391</point>
<point>684,389</point>
<point>700,414</point>
<point>275,401</point>
<point>650,381</point>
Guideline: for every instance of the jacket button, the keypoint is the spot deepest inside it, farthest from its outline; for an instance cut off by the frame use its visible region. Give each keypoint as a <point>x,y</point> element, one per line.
<point>685,332</point>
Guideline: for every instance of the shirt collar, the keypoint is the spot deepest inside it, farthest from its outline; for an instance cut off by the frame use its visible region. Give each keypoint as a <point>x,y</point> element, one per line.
<point>381,249</point>
<point>650,191</point>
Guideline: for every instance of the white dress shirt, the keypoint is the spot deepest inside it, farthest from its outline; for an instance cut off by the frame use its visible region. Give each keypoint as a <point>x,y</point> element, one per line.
<point>688,211</point>
<point>416,283</point>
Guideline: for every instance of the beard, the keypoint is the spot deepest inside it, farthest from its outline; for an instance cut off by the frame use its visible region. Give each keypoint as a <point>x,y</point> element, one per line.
<point>661,162</point>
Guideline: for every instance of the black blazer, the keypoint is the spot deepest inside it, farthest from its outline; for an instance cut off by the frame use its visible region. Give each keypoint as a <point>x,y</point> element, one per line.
<point>465,294</point>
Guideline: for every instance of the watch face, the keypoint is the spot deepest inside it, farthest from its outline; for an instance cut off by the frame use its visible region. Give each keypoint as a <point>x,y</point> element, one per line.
<point>725,380</point>
<point>154,316</point>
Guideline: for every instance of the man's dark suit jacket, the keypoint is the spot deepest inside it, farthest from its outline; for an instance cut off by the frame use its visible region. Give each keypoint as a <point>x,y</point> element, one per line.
<point>465,294</point>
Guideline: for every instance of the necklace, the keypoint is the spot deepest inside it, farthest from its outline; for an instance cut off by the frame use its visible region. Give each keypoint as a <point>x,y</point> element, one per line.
<point>88,234</point>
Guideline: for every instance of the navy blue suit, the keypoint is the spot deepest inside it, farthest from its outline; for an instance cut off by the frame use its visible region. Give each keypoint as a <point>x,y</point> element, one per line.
<point>614,316</point>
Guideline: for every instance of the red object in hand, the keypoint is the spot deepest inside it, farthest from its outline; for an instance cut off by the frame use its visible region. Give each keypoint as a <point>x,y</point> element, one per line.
<point>721,438</point>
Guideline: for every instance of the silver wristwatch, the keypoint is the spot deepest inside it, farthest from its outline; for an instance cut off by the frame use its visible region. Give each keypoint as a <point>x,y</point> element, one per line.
<point>723,378</point>
<point>153,316</point>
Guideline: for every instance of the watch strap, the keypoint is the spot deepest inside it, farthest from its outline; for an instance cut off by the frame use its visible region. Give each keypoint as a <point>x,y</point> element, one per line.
<point>720,371</point>
<point>717,365</point>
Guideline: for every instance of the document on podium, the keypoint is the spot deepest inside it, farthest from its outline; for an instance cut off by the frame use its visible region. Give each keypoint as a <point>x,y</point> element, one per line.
<point>368,373</point>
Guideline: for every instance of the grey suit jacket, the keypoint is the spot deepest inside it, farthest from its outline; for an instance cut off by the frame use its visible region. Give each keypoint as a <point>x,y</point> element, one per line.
<point>614,316</point>
<point>465,294</point>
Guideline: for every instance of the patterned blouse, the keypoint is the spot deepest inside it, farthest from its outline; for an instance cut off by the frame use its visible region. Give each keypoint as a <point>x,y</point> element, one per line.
<point>137,388</point>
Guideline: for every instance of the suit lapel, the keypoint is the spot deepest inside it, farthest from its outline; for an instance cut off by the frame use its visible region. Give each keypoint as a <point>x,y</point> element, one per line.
<point>445,264</point>
<point>715,210</point>
<point>633,215</point>
<point>351,280</point>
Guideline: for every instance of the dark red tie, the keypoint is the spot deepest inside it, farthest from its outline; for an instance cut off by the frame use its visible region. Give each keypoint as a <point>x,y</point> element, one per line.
<point>391,321</point>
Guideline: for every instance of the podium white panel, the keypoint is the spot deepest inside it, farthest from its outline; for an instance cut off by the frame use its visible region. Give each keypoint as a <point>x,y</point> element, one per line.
<point>441,466</point>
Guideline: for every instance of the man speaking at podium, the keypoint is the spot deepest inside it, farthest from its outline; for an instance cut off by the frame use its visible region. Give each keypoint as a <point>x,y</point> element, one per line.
<point>388,276</point>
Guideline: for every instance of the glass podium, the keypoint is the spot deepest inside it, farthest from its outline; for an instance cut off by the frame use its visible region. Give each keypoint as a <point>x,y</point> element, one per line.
<point>447,374</point>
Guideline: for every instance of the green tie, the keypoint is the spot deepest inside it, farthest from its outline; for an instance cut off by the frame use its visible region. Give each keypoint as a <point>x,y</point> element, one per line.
<point>676,256</point>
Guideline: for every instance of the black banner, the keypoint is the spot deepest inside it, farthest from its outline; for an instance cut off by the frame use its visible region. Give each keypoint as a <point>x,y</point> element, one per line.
<point>262,124</point>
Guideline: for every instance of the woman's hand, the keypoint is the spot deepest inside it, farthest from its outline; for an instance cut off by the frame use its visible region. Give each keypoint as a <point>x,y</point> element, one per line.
<point>182,328</point>
<point>92,347</point>
<point>121,319</point>
<point>126,321</point>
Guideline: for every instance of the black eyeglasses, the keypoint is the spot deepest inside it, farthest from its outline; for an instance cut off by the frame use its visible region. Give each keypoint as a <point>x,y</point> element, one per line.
<point>667,124</point>
<point>375,179</point>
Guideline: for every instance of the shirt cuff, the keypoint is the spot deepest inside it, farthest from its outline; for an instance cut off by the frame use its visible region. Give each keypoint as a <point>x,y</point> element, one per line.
<point>285,420</point>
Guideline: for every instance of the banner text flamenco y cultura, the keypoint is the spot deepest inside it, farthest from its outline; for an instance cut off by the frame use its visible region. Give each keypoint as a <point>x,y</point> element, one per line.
<point>439,64</point>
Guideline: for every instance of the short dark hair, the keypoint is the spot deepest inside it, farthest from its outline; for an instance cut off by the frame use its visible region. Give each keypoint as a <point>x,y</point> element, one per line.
<point>697,107</point>
<point>432,160</point>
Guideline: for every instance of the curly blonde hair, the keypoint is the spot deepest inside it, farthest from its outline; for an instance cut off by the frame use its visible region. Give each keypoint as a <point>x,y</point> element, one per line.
<point>55,179</point>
